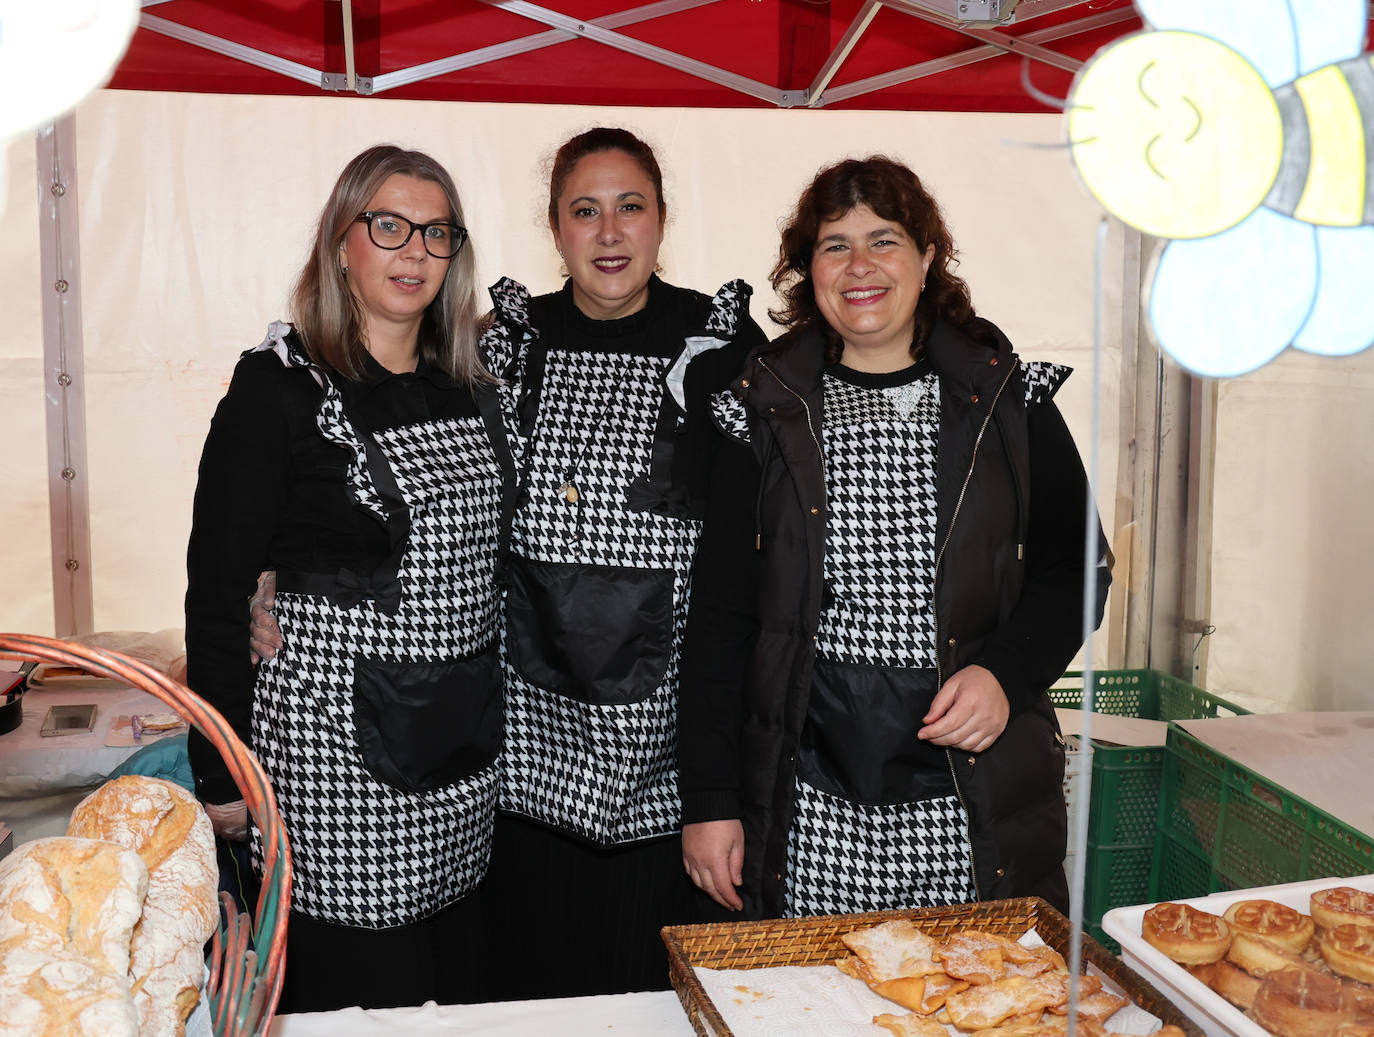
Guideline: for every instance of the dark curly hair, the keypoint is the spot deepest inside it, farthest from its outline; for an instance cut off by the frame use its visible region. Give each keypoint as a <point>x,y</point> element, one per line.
<point>894,192</point>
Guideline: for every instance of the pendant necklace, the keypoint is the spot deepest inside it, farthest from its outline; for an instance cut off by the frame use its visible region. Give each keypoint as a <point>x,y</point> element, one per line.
<point>568,488</point>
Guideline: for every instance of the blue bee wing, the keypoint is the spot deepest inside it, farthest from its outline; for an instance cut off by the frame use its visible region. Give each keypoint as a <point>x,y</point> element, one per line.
<point>1342,318</point>
<point>1228,304</point>
<point>1284,39</point>
<point>1328,31</point>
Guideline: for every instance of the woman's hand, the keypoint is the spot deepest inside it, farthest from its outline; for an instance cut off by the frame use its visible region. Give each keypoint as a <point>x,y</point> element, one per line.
<point>229,820</point>
<point>969,713</point>
<point>264,636</point>
<point>713,855</point>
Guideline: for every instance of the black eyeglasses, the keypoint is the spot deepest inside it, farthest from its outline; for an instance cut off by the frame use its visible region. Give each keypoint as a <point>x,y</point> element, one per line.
<point>391,231</point>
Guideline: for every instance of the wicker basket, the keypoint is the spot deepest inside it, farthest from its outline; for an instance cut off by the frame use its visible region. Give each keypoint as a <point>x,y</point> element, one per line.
<point>816,941</point>
<point>244,984</point>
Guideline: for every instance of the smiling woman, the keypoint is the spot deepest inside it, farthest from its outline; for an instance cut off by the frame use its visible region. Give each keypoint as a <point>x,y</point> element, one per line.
<point>868,274</point>
<point>899,523</point>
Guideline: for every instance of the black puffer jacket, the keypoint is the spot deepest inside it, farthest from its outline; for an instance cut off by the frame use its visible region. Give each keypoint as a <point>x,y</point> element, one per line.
<point>1010,500</point>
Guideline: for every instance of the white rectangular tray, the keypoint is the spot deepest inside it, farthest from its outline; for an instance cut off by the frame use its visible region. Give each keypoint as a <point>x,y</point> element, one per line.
<point>1217,1016</point>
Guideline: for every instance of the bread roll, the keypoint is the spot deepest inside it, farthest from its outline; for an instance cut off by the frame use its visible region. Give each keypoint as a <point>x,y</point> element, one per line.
<point>167,828</point>
<point>68,908</point>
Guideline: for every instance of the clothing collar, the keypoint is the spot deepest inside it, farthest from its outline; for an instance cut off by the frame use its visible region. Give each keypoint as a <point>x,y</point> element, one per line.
<point>374,374</point>
<point>968,359</point>
<point>616,326</point>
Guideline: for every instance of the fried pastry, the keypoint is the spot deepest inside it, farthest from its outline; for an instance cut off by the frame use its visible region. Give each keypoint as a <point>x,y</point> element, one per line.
<point>1234,984</point>
<point>892,950</point>
<point>854,968</point>
<point>938,988</point>
<point>1298,1003</point>
<point>972,955</point>
<point>910,1025</point>
<point>1277,923</point>
<point>1100,1005</point>
<point>1260,956</point>
<point>1342,905</point>
<point>991,1004</point>
<point>1185,934</point>
<point>907,991</point>
<point>1031,961</point>
<point>1349,950</point>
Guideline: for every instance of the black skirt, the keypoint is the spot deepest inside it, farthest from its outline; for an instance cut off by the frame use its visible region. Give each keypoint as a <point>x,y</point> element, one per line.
<point>566,918</point>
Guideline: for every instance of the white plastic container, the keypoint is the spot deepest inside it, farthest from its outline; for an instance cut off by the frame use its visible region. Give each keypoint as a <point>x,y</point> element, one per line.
<point>1213,1013</point>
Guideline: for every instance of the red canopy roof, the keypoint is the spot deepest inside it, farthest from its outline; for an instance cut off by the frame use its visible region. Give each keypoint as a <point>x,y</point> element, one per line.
<point>886,54</point>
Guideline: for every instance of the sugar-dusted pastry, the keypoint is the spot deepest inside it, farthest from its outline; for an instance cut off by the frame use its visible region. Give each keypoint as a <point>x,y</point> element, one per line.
<point>893,949</point>
<point>972,955</point>
<point>910,1025</point>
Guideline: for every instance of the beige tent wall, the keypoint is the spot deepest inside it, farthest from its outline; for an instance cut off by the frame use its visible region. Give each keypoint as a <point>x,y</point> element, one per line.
<point>195,212</point>
<point>1292,570</point>
<point>25,556</point>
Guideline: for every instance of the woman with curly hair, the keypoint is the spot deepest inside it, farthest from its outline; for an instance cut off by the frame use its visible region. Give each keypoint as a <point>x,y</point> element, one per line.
<point>889,578</point>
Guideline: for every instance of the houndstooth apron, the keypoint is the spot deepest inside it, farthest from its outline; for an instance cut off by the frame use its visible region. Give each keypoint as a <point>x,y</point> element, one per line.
<point>599,584</point>
<point>380,719</point>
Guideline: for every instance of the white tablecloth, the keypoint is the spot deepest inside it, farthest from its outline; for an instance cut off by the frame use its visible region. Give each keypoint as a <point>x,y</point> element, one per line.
<point>658,1013</point>
<point>31,765</point>
<point>42,779</point>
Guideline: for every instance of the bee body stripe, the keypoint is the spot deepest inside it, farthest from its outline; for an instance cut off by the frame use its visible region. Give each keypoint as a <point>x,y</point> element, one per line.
<point>1334,195</point>
<point>1360,73</point>
<point>1297,152</point>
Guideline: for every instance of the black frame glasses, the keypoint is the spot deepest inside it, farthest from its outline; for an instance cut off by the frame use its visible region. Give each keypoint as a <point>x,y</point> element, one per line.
<point>459,233</point>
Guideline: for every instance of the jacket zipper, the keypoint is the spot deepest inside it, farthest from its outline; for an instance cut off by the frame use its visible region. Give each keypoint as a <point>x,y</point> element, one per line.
<point>809,427</point>
<point>820,455</point>
<point>934,612</point>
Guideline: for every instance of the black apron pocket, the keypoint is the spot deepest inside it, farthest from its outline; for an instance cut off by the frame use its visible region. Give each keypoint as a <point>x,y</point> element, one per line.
<point>593,633</point>
<point>423,726</point>
<point>860,743</point>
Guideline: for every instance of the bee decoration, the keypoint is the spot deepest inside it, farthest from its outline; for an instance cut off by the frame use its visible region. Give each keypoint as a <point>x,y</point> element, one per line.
<point>1244,133</point>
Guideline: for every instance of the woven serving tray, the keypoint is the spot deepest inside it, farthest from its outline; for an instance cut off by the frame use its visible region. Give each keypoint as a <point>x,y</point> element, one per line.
<point>816,941</point>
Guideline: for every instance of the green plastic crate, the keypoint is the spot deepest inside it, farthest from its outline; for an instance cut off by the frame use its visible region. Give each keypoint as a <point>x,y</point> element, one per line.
<point>1222,826</point>
<point>1123,809</point>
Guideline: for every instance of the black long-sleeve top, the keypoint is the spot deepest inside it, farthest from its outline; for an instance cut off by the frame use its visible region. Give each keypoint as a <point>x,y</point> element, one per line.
<point>272,493</point>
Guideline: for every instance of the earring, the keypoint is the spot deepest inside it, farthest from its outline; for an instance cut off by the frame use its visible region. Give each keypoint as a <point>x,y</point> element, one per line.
<point>343,270</point>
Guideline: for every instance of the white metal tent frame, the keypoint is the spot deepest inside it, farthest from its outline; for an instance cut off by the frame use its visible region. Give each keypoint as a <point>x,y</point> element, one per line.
<point>68,494</point>
<point>973,18</point>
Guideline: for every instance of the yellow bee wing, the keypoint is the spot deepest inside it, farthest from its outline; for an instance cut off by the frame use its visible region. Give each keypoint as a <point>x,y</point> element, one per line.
<point>1342,318</point>
<point>1228,304</point>
<point>1283,39</point>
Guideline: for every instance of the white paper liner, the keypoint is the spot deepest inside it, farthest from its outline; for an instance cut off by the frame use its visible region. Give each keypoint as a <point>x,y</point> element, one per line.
<point>820,999</point>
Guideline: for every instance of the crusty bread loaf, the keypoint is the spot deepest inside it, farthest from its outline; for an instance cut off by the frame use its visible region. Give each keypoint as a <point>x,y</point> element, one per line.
<point>68,908</point>
<point>165,825</point>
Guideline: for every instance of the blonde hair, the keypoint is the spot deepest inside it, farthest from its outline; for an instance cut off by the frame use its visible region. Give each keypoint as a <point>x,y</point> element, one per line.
<point>328,316</point>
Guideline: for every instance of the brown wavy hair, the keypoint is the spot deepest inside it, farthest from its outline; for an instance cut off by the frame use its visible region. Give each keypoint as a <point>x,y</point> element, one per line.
<point>894,192</point>
<point>327,315</point>
<point>594,141</point>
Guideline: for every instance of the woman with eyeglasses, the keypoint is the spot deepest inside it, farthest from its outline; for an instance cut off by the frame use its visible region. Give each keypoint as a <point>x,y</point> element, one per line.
<point>359,453</point>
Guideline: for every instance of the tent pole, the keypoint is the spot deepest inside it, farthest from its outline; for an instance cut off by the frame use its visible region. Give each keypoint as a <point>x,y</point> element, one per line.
<point>64,379</point>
